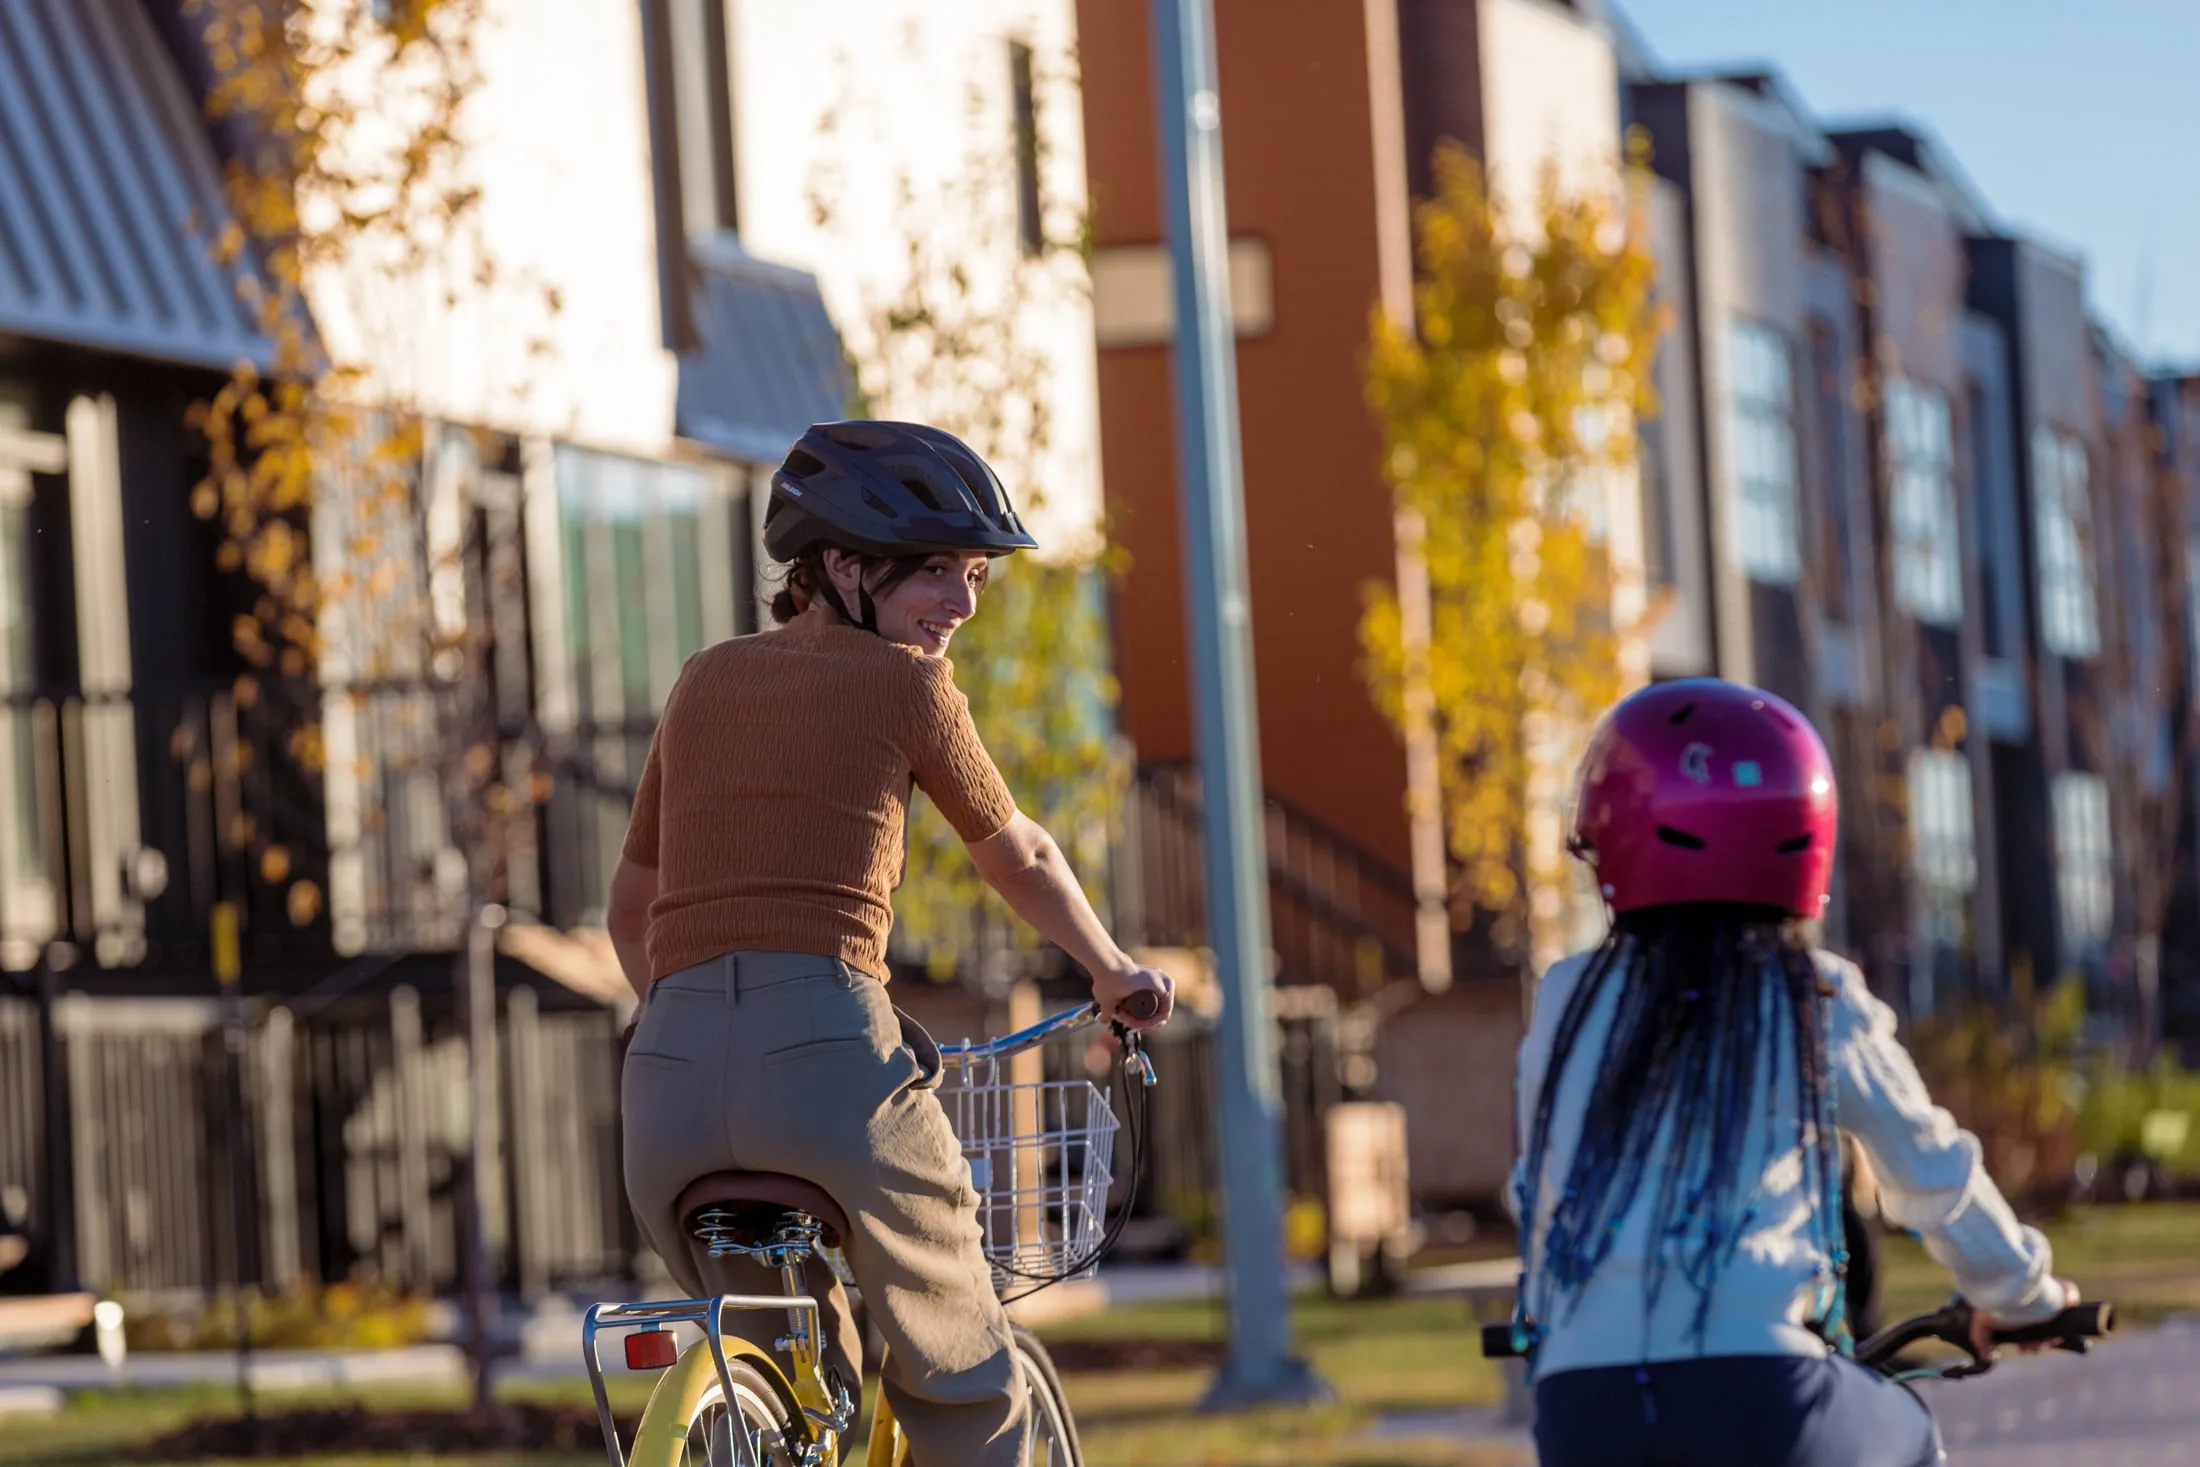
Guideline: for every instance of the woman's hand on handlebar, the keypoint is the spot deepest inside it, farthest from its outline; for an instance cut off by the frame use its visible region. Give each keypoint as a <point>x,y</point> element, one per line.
<point>1984,1327</point>
<point>1134,996</point>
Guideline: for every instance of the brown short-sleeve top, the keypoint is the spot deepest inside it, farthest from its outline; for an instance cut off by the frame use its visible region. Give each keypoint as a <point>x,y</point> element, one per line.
<point>775,797</point>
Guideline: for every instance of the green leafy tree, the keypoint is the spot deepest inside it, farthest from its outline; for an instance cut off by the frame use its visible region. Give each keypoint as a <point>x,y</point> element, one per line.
<point>1506,407</point>
<point>958,339</point>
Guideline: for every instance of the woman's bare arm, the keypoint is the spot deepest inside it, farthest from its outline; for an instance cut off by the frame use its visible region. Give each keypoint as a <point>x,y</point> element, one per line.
<point>1023,863</point>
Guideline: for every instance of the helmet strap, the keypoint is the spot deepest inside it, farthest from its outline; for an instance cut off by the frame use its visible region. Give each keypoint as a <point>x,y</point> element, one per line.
<point>869,620</point>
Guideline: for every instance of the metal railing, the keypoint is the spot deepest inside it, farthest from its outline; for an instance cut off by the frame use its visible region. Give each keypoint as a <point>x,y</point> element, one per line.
<point>1339,916</point>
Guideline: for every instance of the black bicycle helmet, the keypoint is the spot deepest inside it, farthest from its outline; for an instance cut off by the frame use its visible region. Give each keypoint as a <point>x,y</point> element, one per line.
<point>888,489</point>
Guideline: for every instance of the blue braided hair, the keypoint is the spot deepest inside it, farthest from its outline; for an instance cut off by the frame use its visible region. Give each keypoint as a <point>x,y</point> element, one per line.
<point>1718,1006</point>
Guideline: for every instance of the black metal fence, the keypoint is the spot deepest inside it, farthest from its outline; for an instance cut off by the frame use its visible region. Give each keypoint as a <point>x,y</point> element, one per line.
<point>352,1148</point>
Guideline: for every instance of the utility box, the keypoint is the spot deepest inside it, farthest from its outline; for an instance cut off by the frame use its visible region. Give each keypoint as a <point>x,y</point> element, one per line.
<point>1370,1201</point>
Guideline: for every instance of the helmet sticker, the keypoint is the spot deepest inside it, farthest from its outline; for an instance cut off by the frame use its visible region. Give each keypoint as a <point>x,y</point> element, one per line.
<point>1748,774</point>
<point>1696,763</point>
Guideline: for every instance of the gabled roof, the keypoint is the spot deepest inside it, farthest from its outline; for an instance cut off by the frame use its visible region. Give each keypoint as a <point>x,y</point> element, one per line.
<point>105,166</point>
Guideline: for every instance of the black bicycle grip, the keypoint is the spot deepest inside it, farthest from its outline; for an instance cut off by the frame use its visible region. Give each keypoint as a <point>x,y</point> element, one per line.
<point>1498,1342</point>
<point>2070,1329</point>
<point>1140,1006</point>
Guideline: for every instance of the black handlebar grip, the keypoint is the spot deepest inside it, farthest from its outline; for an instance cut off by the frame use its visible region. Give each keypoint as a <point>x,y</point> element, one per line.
<point>2094,1319</point>
<point>1497,1342</point>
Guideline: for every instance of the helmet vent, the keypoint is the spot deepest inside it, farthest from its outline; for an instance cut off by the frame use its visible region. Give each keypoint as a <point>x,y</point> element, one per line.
<point>872,501</point>
<point>980,491</point>
<point>801,464</point>
<point>924,493</point>
<point>1681,717</point>
<point>1794,845</point>
<point>1680,838</point>
<point>864,436</point>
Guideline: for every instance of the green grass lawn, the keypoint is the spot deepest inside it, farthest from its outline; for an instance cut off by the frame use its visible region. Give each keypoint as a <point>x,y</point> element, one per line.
<point>2145,1260</point>
<point>1382,1356</point>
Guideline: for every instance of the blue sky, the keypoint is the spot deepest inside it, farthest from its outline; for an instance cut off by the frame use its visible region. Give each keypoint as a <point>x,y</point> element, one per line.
<point>2079,120</point>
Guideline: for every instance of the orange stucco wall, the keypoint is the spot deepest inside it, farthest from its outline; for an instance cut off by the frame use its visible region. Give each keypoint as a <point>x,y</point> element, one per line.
<point>1299,159</point>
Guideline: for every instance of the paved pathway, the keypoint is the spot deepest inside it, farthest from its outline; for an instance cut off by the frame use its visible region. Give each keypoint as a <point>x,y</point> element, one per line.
<point>2133,1402</point>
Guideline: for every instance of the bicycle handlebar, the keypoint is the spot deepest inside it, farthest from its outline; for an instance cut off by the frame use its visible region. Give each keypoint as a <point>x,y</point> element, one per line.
<point>1139,1007</point>
<point>2073,1329</point>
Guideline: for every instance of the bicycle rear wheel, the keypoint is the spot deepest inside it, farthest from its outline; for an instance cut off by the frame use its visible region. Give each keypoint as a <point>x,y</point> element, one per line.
<point>757,1413</point>
<point>1053,1429</point>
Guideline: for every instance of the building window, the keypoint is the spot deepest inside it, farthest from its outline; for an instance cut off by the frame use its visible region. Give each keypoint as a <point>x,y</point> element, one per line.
<point>1990,496</point>
<point>2083,874</point>
<point>23,884</point>
<point>1762,398</point>
<point>649,578</point>
<point>1652,475</point>
<point>1928,563</point>
<point>1024,99</point>
<point>2192,611</point>
<point>1829,383</point>
<point>702,105</point>
<point>2062,519</point>
<point>1943,848</point>
<point>650,575</point>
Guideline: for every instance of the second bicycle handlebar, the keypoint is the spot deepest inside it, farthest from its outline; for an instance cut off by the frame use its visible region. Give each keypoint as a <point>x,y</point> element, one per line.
<point>2073,1329</point>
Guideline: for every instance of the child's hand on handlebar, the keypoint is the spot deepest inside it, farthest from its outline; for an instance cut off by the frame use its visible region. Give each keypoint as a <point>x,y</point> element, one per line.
<point>1985,1326</point>
<point>1135,997</point>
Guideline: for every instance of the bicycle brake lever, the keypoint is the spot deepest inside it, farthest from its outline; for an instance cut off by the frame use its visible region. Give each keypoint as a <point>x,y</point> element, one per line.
<point>1135,1058</point>
<point>1960,1316</point>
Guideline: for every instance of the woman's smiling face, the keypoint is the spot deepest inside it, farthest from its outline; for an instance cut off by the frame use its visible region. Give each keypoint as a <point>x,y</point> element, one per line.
<point>924,609</point>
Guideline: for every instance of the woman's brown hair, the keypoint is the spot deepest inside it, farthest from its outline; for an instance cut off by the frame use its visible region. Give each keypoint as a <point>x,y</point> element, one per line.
<point>803,580</point>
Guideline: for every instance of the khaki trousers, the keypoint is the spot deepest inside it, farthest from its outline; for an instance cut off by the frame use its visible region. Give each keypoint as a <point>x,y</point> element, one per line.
<point>781,1062</point>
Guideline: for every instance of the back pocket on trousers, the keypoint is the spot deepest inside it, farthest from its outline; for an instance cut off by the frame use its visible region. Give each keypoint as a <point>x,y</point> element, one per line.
<point>795,1054</point>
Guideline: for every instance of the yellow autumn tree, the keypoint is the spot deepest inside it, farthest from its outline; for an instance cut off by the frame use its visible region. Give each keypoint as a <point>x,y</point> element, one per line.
<point>1507,410</point>
<point>347,183</point>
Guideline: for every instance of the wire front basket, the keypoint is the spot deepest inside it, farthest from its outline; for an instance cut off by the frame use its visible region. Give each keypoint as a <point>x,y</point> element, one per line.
<point>1040,1155</point>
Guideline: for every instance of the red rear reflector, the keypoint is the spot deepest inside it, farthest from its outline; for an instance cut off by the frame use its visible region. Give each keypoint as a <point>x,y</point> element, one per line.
<point>650,1349</point>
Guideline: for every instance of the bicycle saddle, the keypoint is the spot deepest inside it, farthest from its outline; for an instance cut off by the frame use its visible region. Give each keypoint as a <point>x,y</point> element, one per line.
<point>764,1190</point>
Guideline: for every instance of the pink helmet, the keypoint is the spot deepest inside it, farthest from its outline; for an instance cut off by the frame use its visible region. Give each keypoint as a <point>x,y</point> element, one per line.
<point>1702,790</point>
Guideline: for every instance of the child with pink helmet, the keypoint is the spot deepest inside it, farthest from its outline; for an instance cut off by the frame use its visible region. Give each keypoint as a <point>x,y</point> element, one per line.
<point>1680,1087</point>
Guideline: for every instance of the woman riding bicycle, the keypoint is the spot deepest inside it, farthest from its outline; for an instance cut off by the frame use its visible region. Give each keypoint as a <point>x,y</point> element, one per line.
<point>758,873</point>
<point>1679,1090</point>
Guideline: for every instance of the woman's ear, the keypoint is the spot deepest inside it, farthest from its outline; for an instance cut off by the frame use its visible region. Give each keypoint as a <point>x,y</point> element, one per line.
<point>845,571</point>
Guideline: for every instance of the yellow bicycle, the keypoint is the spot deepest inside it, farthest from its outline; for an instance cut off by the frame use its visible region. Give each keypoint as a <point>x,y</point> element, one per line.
<point>1040,1154</point>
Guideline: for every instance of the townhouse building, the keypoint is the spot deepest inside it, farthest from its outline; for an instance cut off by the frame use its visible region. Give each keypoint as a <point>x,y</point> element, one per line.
<point>593,424</point>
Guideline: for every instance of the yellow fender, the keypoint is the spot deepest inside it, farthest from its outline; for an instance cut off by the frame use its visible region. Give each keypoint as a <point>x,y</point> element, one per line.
<point>662,1436</point>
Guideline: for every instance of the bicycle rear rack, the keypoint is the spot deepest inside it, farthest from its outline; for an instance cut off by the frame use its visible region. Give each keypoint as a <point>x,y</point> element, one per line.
<point>709,1315</point>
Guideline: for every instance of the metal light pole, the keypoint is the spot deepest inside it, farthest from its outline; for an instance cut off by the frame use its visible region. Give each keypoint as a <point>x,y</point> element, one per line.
<point>1261,1366</point>
<point>481,1040</point>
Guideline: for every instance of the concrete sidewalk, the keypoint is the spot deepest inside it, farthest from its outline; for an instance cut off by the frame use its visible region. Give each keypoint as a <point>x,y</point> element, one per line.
<point>272,1370</point>
<point>548,1345</point>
